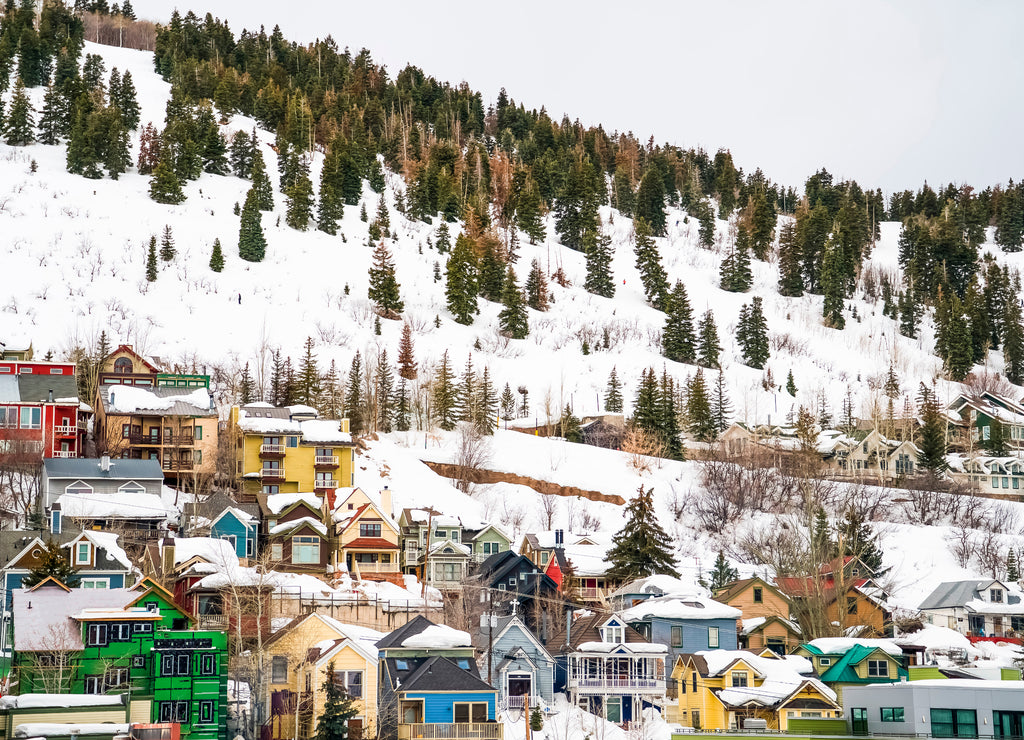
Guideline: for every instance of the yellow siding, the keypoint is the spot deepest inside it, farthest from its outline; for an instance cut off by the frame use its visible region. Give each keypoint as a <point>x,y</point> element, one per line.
<point>298,462</point>
<point>141,710</point>
<point>89,715</point>
<point>772,604</point>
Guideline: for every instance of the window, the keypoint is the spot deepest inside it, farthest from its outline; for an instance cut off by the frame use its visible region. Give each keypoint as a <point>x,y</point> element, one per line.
<point>138,661</point>
<point>116,678</point>
<point>207,664</point>
<point>175,664</point>
<point>677,636</point>
<point>293,441</point>
<point>198,432</point>
<point>94,684</point>
<point>250,547</point>
<point>878,668</point>
<point>123,365</point>
<point>693,679</point>
<point>31,418</point>
<point>230,538</point>
<point>892,714</point>
<point>79,488</point>
<point>739,679</point>
<point>305,550</point>
<point>119,632</point>
<point>758,595</point>
<point>612,633</point>
<point>174,711</point>
<point>271,489</point>
<point>197,457</point>
<point>996,595</point>
<point>401,665</point>
<point>491,547</point>
<point>276,551</point>
<point>454,535</point>
<point>712,637</point>
<point>96,635</point>
<point>440,534</point>
<point>824,661</point>
<point>93,583</point>
<point>954,723</point>
<point>351,681</point>
<point>450,572</point>
<point>851,604</point>
<point>132,487</point>
<point>369,529</point>
<point>279,669</point>
<point>83,552</point>
<point>206,712</point>
<point>466,712</point>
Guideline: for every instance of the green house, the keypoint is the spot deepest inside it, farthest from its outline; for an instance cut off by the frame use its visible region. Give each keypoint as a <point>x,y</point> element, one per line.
<point>122,641</point>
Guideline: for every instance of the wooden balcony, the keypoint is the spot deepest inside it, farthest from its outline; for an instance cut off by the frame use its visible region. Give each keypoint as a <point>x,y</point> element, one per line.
<point>150,438</point>
<point>453,731</point>
<point>325,461</point>
<point>65,453</point>
<point>66,430</point>
<point>272,451</point>
<point>176,465</point>
<point>604,684</point>
<point>323,484</point>
<point>376,567</point>
<point>593,594</point>
<point>272,474</point>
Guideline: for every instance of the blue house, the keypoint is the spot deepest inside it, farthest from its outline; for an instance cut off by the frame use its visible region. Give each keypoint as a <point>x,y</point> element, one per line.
<point>686,624</point>
<point>238,528</point>
<point>522,669</point>
<point>429,686</point>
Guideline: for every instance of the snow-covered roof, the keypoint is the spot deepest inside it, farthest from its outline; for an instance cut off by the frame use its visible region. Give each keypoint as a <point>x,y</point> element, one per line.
<point>301,409</point>
<point>439,636</point>
<point>587,560</point>
<point>839,645</point>
<point>42,617</point>
<point>46,701</point>
<point>267,425</point>
<point>127,399</point>
<point>298,523</point>
<point>278,502</point>
<point>749,625</point>
<point>458,547</point>
<point>660,585</point>
<point>694,606</point>
<point>324,431</point>
<point>54,729</point>
<point>217,552</point>
<point>779,677</point>
<point>632,647</point>
<point>107,541</point>
<point>114,506</point>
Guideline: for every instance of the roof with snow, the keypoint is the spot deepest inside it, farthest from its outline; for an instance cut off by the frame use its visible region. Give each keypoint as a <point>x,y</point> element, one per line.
<point>114,506</point>
<point>278,502</point>
<point>325,432</point>
<point>693,606</point>
<point>89,467</point>
<point>969,594</point>
<point>658,585</point>
<point>42,618</point>
<point>842,645</point>
<point>126,399</point>
<point>60,701</point>
<point>107,541</point>
<point>214,551</point>
<point>776,679</point>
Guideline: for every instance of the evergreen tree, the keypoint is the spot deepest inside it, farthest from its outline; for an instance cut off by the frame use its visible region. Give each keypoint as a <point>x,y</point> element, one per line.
<point>932,434</point>
<point>18,128</point>
<point>217,257</point>
<point>384,382</point>
<point>734,274</point>
<point>167,250</point>
<point>53,563</point>
<point>443,395</point>
<point>721,407</point>
<point>706,217</point>
<point>833,285</point>
<point>996,444</point>
<point>384,287</point>
<point>487,405</point>
<point>576,207</point>
<point>613,393</point>
<point>461,284</point>
<point>150,151</point>
<point>708,348</point>
<point>859,541</point>
<point>597,246</point>
<point>329,210</point>
<point>376,176</point>
<point>151,261</point>
<point>512,319</point>
<point>126,103</point>
<point>823,548</point>
<point>300,202</point>
<point>650,200</point>
<point>698,409</point>
<point>678,341</point>
<point>246,387</point>
<point>536,288</point>
<point>406,359</point>
<point>508,402</point>
<point>791,281</point>
<point>1013,345</point>
<point>252,244</point>
<point>467,398</point>
<point>1012,566</point>
<point>722,574</point>
<point>642,548</point>
<point>491,271</point>
<point>910,311</point>
<point>668,417</point>
<point>570,426</point>
<point>790,384</point>
<point>354,395</point>
<point>51,123</point>
<point>648,262</point>
<point>240,155</point>
<point>339,708</point>
<point>529,217</point>
<point>402,423</point>
<point>164,186</point>
<point>752,334</point>
<point>444,239</point>
<point>645,406</point>
<point>308,381</point>
<point>117,158</point>
<point>261,185</point>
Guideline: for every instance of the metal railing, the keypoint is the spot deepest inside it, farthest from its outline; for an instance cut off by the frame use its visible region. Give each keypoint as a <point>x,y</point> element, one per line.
<point>652,684</point>
<point>331,460</point>
<point>525,701</point>
<point>271,449</point>
<point>272,473</point>
<point>324,483</point>
<point>454,731</point>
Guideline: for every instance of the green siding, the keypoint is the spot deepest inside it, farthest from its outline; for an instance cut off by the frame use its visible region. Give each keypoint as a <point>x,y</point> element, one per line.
<point>816,726</point>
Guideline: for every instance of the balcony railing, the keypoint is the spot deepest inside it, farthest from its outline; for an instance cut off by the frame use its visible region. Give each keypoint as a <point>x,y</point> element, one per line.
<point>377,567</point>
<point>213,621</point>
<point>137,438</point>
<point>326,461</point>
<point>454,731</point>
<point>272,450</point>
<point>611,684</point>
<point>176,464</point>
<point>520,702</point>
<point>593,594</point>
<point>324,483</point>
<point>65,453</point>
<point>272,473</point>
<point>66,430</point>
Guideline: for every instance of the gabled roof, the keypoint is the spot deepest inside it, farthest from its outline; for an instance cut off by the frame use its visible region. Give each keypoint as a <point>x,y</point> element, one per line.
<point>83,468</point>
<point>514,622</point>
<point>439,673</point>
<point>244,518</point>
<point>49,582</point>
<point>843,670</point>
<point>128,349</point>
<point>960,593</point>
<point>587,629</point>
<point>160,401</point>
<point>395,638</point>
<point>36,388</point>
<point>734,589</point>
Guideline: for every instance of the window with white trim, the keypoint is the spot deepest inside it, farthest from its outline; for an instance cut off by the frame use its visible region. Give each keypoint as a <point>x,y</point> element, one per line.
<point>79,488</point>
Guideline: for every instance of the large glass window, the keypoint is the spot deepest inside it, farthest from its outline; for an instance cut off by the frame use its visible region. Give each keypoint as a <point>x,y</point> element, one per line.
<point>878,668</point>
<point>369,529</point>
<point>351,681</point>
<point>712,637</point>
<point>305,550</point>
<point>677,636</point>
<point>279,669</point>
<point>739,679</point>
<point>31,417</point>
<point>954,723</point>
<point>892,714</point>
<point>465,712</point>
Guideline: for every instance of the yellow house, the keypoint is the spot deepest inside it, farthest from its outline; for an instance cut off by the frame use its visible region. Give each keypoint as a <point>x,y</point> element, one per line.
<point>766,615</point>
<point>721,689</point>
<point>300,654</point>
<point>286,451</point>
<point>369,538</point>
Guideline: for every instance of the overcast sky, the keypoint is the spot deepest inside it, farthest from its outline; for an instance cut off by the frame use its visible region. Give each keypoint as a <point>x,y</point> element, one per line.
<point>888,93</point>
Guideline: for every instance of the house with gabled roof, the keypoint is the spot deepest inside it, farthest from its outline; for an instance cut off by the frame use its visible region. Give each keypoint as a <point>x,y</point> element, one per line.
<point>96,477</point>
<point>842,596</point>
<point>295,531</point>
<point>368,537</point>
<point>722,689</point>
<point>980,413</point>
<point>984,607</point>
<point>238,527</point>
<point>517,663</point>
<point>608,668</point>
<point>844,661</point>
<point>40,413</point>
<point>521,578</point>
<point>429,686</point>
<point>767,615</point>
<point>685,624</point>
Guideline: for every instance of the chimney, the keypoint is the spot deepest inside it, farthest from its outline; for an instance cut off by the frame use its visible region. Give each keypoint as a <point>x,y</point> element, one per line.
<point>105,463</point>
<point>568,626</point>
<point>385,500</point>
<point>49,396</point>
<point>168,556</point>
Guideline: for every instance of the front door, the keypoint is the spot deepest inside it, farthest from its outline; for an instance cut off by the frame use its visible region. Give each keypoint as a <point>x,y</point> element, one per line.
<point>859,718</point>
<point>976,624</point>
<point>519,684</point>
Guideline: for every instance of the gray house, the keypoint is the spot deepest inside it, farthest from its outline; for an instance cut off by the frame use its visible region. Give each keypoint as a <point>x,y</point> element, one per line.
<point>522,670</point>
<point>982,607</point>
<point>103,475</point>
<point>956,707</point>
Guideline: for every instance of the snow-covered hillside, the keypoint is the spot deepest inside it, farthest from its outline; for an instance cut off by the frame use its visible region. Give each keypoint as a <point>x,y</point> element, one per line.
<point>74,251</point>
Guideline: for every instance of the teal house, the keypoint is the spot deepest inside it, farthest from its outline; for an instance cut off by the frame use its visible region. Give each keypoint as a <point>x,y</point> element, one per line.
<point>841,662</point>
<point>238,528</point>
<point>429,686</point>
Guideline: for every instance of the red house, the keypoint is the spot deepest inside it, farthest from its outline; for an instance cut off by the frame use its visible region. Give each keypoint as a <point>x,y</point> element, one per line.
<point>40,414</point>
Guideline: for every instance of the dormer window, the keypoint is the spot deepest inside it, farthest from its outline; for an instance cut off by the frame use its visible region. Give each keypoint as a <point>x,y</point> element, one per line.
<point>612,632</point>
<point>79,487</point>
<point>131,487</point>
<point>83,553</point>
<point>996,595</point>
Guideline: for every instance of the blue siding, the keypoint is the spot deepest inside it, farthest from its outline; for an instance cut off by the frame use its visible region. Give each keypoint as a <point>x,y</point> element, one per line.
<point>695,635</point>
<point>543,676</point>
<point>229,525</point>
<point>439,709</point>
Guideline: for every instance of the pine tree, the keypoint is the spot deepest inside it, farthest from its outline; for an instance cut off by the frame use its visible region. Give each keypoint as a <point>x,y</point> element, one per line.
<point>339,708</point>
<point>329,210</point>
<point>217,257</point>
<point>1013,345</point>
<point>678,341</point>
<point>18,128</point>
<point>734,274</point>
<point>51,124</point>
<point>1012,566</point>
<point>354,394</point>
<point>167,250</point>
<point>512,319</point>
<point>240,155</point>
<point>443,396</point>
<point>708,348</point>
<point>261,184</point>
<point>164,186</point>
<point>467,398</point>
<point>642,548</point>
<point>645,405</point>
<point>722,574</point>
<point>126,102</point>
<point>698,409</point>
<point>597,246</point>
<point>569,426</point>
<point>648,262</point>
<point>833,284</point>
<point>508,402</point>
<point>402,423</point>
<point>487,404</point>
<point>859,541</point>
<point>461,283</point>
<point>384,287</point>
<point>668,417</point>
<point>650,200</point>
<point>721,407</point>
<point>246,387</point>
<point>300,202</point>
<point>252,244</point>
<point>376,176</point>
<point>443,241</point>
<point>384,382</point>
<point>706,217</point>
<point>536,288</point>
<point>53,563</point>
<point>932,434</point>
<point>791,281</point>
<point>406,360</point>
<point>331,394</point>
<point>151,268</point>
<point>823,548</point>
<point>752,334</point>
<point>613,393</point>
